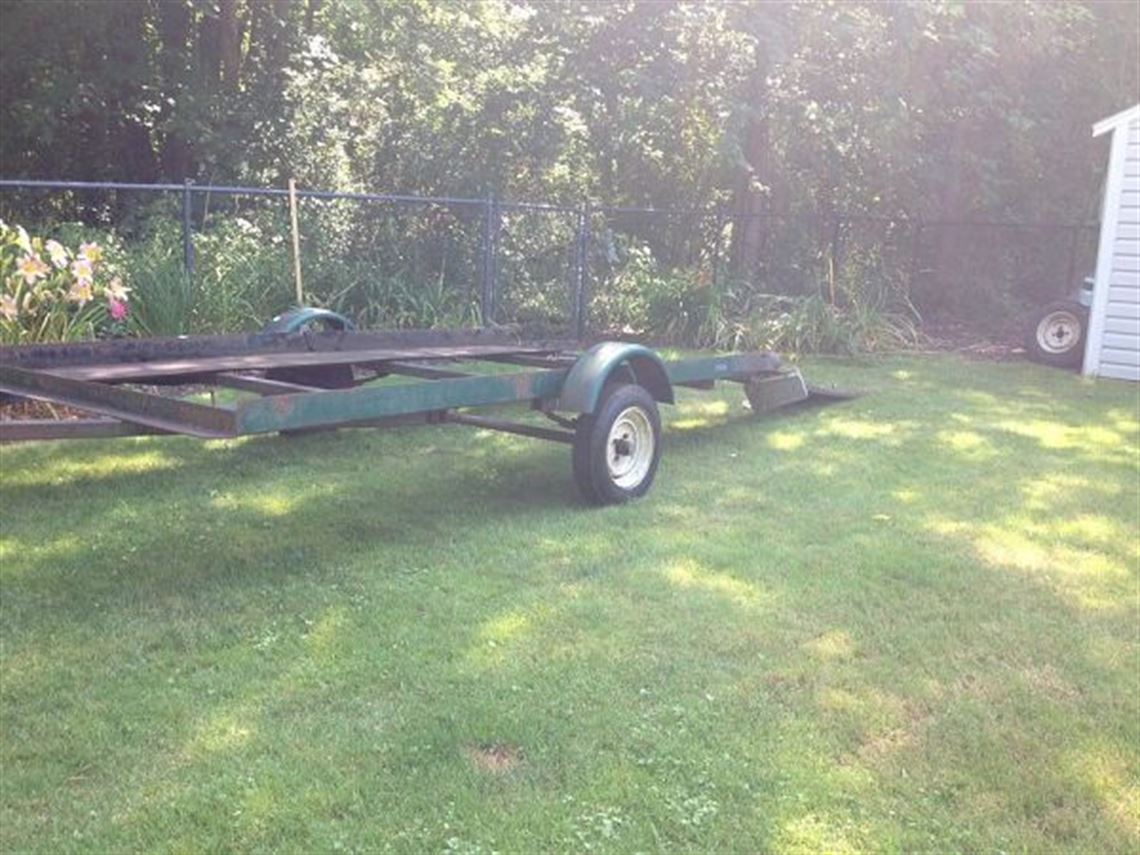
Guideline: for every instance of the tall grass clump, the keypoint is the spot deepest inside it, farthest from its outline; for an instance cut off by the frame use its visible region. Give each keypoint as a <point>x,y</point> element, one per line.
<point>855,309</point>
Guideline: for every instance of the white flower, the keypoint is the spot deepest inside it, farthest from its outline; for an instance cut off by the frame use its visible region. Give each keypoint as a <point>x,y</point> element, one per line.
<point>81,269</point>
<point>91,251</point>
<point>31,267</point>
<point>116,290</point>
<point>23,240</point>
<point>80,292</point>
<point>57,252</point>
<point>8,307</point>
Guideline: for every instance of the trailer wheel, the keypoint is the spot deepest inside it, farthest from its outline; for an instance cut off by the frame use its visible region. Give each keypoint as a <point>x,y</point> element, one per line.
<point>618,446</point>
<point>1056,335</point>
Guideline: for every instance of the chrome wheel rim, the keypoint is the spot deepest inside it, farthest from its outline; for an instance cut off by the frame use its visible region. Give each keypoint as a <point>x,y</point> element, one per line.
<point>1058,332</point>
<point>629,448</point>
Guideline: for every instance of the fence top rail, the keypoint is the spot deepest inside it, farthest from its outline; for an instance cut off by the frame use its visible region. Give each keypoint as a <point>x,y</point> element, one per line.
<point>228,190</point>
<point>408,199</point>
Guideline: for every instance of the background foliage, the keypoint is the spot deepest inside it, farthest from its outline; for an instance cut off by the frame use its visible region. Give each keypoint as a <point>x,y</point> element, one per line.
<point>787,130</point>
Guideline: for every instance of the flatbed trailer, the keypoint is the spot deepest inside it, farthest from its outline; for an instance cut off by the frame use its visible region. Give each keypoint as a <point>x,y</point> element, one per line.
<point>310,371</point>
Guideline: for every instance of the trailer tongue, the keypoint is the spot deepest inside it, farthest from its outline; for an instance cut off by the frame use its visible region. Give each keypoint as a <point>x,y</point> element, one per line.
<point>602,401</point>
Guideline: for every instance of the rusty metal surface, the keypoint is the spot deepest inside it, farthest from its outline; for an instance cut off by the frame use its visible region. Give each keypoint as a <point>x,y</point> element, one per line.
<point>260,385</point>
<point>144,371</point>
<point>291,412</point>
<point>155,411</point>
<point>298,397</point>
<point>423,370</point>
<point>132,350</point>
<point>533,431</point>
<point>772,391</point>
<point>24,430</point>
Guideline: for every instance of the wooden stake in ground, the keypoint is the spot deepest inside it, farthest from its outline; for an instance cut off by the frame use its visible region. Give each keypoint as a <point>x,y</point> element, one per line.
<point>296,241</point>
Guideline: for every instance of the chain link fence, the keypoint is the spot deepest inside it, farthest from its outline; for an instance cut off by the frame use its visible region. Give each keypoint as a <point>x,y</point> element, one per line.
<point>218,258</point>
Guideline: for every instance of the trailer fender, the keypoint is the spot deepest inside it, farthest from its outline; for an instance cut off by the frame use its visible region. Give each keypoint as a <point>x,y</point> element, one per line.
<point>589,374</point>
<point>295,320</point>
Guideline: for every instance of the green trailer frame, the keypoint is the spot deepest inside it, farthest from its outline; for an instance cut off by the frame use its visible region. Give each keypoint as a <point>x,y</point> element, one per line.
<point>295,378</point>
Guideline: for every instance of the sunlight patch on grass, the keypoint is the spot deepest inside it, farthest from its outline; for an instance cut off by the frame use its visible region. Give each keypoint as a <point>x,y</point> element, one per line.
<point>271,503</point>
<point>1084,576</point>
<point>854,428</point>
<point>222,731</point>
<point>505,635</point>
<point>68,469</point>
<point>506,627</point>
<point>1004,545</point>
<point>946,526</point>
<point>1118,792</point>
<point>1056,435</point>
<point>37,553</point>
<point>966,441</point>
<point>691,414</point>
<point>325,632</point>
<point>1123,421</point>
<point>811,834</point>
<point>836,644</point>
<point>688,574</point>
<point>785,440</point>
<point>833,699</point>
<point>1096,529</point>
<point>1046,492</point>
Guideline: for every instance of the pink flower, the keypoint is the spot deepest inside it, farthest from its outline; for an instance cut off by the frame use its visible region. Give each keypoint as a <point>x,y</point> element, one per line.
<point>117,309</point>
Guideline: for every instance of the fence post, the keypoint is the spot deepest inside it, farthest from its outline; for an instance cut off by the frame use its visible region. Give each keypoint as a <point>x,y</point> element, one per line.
<point>836,237</point>
<point>487,302</point>
<point>580,271</point>
<point>915,248</point>
<point>718,225</point>
<point>187,228</point>
<point>1072,268</point>
<point>296,233</point>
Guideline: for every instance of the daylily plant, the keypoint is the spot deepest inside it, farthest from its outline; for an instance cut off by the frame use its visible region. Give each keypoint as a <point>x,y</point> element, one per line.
<point>70,295</point>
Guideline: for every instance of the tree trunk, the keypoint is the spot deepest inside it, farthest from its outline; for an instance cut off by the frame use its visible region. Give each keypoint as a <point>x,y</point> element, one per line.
<point>749,199</point>
<point>173,23</point>
<point>229,43</point>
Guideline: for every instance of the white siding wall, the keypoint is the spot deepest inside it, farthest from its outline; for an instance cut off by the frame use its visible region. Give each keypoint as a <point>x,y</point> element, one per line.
<point>1114,327</point>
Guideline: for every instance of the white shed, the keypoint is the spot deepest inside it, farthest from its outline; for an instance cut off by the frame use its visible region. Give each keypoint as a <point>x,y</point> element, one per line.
<point>1112,348</point>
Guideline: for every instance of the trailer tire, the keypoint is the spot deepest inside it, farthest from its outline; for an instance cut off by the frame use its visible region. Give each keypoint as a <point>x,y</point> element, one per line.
<point>618,446</point>
<point>1056,334</point>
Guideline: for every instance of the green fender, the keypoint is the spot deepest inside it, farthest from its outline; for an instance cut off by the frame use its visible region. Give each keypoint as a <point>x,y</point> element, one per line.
<point>295,319</point>
<point>583,385</point>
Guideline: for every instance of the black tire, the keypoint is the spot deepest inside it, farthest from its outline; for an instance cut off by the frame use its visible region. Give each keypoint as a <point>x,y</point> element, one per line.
<point>1056,334</point>
<point>593,472</point>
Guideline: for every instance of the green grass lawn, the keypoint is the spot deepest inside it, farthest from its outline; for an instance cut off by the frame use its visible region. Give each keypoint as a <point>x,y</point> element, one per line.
<point>904,623</point>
